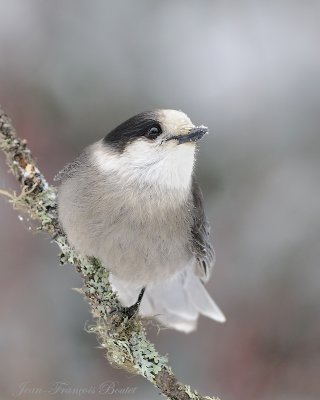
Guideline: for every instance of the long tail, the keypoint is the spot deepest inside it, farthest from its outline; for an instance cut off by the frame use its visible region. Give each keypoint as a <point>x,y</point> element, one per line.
<point>176,303</point>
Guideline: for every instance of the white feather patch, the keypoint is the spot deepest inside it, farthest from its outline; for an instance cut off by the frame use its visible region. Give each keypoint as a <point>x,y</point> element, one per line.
<point>166,165</point>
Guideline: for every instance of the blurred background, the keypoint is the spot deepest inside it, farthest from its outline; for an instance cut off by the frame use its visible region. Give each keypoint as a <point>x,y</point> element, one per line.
<point>70,71</point>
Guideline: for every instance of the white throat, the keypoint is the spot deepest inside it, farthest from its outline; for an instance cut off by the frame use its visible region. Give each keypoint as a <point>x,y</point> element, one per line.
<point>167,168</point>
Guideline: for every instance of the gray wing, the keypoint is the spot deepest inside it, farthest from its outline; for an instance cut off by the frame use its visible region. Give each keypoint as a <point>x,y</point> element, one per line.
<point>70,169</point>
<point>200,232</point>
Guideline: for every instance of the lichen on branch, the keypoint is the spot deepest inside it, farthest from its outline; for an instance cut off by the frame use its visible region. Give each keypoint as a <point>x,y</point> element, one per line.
<point>124,339</point>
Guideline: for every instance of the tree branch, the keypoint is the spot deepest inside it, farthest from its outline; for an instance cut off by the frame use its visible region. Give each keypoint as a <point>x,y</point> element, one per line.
<point>124,340</point>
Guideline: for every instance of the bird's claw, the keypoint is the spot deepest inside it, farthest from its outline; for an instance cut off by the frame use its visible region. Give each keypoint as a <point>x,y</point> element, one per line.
<point>125,312</point>
<point>128,312</point>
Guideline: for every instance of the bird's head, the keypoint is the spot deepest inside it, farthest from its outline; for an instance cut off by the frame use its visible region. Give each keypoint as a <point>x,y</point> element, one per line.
<point>154,147</point>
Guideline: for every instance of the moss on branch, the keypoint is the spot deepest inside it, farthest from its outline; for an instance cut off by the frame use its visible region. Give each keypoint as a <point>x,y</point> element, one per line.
<point>124,340</point>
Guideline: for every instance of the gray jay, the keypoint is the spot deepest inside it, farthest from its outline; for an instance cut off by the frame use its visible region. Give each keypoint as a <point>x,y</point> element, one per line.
<point>132,201</point>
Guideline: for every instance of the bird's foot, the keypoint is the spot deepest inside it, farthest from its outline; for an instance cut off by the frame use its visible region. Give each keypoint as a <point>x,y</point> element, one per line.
<point>131,311</point>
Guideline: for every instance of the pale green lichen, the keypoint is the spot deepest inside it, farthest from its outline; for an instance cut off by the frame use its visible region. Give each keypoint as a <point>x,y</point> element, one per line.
<point>126,344</point>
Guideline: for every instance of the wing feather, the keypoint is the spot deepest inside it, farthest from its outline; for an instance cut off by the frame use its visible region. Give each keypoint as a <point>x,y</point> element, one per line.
<point>70,169</point>
<point>201,246</point>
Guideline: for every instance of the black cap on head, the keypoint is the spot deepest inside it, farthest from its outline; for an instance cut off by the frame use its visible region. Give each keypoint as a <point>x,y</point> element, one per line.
<point>144,124</point>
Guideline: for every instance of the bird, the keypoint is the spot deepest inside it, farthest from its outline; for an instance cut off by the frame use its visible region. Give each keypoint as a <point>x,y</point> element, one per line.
<point>132,200</point>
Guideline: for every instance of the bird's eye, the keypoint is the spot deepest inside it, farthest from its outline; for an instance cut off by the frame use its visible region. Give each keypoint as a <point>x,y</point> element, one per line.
<point>154,132</point>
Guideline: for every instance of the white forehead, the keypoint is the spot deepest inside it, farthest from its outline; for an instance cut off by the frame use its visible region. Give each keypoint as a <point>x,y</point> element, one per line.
<point>175,121</point>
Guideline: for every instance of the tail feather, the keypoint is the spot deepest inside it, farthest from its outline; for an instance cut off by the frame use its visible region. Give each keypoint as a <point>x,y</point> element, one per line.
<point>202,300</point>
<point>176,303</point>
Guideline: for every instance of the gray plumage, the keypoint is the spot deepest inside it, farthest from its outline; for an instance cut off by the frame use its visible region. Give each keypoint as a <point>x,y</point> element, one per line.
<point>134,203</point>
<point>200,230</point>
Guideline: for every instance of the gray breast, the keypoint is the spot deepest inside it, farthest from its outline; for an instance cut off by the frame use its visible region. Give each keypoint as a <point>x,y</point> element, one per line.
<point>137,234</point>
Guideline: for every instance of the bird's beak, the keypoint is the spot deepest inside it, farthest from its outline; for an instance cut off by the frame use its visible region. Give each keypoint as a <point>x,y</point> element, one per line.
<point>193,135</point>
